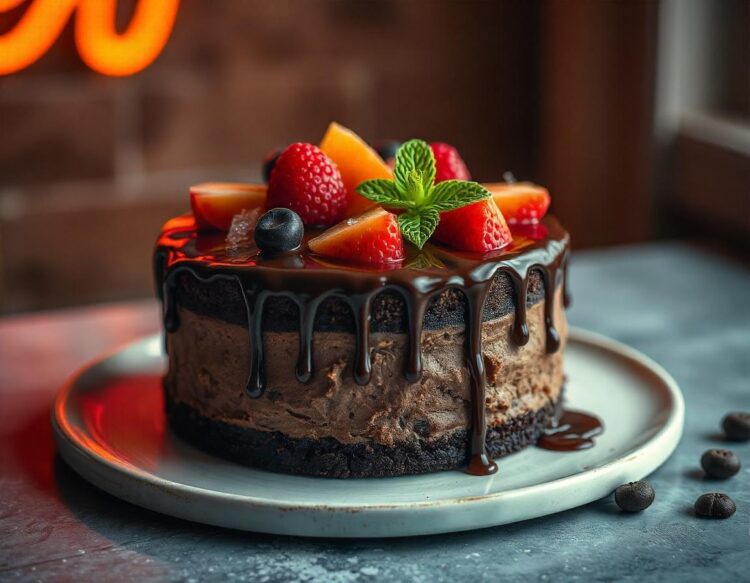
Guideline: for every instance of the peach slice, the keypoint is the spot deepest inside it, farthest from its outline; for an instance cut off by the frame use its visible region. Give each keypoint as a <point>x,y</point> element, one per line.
<point>357,162</point>
<point>520,202</point>
<point>215,203</point>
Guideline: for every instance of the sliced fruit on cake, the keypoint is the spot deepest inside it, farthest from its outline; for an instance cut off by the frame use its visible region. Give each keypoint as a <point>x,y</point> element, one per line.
<point>520,202</point>
<point>372,237</point>
<point>357,162</point>
<point>215,203</point>
<point>478,227</point>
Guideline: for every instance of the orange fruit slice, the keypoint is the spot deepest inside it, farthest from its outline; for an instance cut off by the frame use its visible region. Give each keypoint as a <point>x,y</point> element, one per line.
<point>357,162</point>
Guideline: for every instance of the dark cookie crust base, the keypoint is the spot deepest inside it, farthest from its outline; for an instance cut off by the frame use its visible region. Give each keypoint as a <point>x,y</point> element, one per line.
<point>329,458</point>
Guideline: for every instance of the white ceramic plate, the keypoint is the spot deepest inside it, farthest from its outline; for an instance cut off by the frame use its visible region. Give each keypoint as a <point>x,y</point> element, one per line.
<point>109,426</point>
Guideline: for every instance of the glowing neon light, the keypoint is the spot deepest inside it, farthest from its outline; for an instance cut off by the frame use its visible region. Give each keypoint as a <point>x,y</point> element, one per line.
<point>99,44</point>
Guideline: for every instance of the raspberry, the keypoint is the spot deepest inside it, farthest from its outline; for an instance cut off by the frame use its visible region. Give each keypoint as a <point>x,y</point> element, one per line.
<point>306,181</point>
<point>448,164</point>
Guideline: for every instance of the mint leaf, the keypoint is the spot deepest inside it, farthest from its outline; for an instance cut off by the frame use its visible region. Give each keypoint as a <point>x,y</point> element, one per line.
<point>385,192</point>
<point>453,194</point>
<point>414,155</point>
<point>413,190</point>
<point>417,225</point>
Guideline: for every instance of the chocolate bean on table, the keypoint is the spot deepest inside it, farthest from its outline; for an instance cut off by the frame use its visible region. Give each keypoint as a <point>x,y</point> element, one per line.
<point>736,426</point>
<point>714,505</point>
<point>634,496</point>
<point>720,463</point>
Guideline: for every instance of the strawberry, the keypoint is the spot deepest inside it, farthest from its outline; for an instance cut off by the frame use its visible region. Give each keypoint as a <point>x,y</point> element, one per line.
<point>214,204</point>
<point>372,237</point>
<point>306,181</point>
<point>520,202</point>
<point>478,227</point>
<point>448,164</point>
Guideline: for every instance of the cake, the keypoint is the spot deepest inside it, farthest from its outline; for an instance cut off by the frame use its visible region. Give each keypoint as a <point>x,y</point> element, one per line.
<point>364,349</point>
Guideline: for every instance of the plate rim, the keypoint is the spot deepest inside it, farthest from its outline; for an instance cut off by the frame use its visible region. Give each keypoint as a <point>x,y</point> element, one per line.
<point>74,452</point>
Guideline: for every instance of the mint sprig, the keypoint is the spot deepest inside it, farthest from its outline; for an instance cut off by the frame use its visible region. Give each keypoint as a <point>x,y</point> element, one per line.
<point>413,191</point>
<point>417,225</point>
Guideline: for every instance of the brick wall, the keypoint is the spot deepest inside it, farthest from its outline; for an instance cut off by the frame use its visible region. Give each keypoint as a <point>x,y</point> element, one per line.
<point>91,166</point>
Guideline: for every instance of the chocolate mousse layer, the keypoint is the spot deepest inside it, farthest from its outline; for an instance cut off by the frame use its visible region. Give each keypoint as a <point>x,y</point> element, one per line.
<point>333,427</point>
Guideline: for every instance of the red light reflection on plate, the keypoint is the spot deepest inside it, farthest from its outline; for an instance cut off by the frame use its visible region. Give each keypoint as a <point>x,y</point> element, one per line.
<point>124,419</point>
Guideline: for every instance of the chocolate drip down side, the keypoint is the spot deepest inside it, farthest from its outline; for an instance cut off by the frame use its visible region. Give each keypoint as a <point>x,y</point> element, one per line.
<point>308,284</point>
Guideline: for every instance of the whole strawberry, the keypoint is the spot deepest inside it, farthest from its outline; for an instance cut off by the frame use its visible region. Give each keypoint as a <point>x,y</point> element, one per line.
<point>448,164</point>
<point>306,181</point>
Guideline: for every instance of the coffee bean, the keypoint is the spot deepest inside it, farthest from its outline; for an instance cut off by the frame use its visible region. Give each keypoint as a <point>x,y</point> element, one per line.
<point>634,496</point>
<point>720,463</point>
<point>715,505</point>
<point>737,426</point>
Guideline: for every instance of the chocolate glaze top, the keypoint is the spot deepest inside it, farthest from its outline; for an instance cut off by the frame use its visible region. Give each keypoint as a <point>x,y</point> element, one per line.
<point>309,281</point>
<point>432,269</point>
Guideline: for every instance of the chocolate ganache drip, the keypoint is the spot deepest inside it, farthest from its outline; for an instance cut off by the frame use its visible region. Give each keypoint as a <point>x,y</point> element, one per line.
<point>309,281</point>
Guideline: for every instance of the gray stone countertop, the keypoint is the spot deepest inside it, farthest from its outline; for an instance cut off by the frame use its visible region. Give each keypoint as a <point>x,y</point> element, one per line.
<point>686,308</point>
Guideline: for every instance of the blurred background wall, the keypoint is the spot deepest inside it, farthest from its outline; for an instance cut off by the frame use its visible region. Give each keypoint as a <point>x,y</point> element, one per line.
<point>634,113</point>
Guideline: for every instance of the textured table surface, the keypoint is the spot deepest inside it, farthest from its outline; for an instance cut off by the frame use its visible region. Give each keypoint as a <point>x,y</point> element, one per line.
<point>684,307</point>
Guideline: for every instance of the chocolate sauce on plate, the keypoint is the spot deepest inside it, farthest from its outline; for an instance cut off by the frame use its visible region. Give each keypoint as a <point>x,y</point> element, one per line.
<point>308,280</point>
<point>573,431</point>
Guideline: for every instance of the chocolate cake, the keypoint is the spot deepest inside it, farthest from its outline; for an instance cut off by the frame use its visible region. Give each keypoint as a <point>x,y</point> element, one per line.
<point>421,333</point>
<point>303,366</point>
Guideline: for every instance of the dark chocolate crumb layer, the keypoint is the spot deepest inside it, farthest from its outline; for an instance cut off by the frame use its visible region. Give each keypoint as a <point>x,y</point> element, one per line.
<point>329,458</point>
<point>222,300</point>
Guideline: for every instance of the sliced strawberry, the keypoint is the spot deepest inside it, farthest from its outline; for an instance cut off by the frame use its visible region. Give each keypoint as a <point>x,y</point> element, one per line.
<point>372,237</point>
<point>215,203</point>
<point>520,202</point>
<point>478,227</point>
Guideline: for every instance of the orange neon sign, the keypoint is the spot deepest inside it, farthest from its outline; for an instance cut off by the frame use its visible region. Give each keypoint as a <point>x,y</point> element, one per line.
<point>99,44</point>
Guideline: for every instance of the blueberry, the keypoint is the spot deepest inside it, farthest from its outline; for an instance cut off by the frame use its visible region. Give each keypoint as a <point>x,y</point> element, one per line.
<point>737,426</point>
<point>279,230</point>
<point>269,162</point>
<point>634,496</point>
<point>387,149</point>
<point>714,505</point>
<point>720,463</point>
